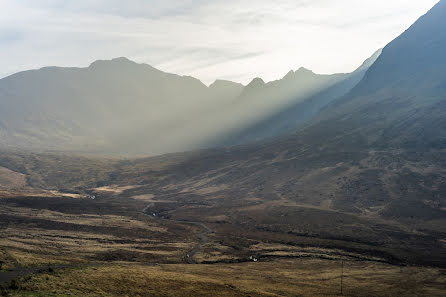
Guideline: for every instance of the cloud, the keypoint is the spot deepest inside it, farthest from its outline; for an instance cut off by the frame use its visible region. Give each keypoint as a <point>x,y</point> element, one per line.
<point>9,36</point>
<point>208,39</point>
<point>130,8</point>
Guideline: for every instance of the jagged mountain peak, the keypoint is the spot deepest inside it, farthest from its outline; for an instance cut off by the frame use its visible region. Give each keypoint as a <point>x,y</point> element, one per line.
<point>289,75</point>
<point>304,70</point>
<point>114,61</point>
<point>256,82</point>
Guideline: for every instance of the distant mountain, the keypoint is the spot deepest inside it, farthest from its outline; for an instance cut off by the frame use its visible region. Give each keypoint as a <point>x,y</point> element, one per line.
<point>303,94</point>
<point>225,89</point>
<point>119,106</point>
<point>95,107</point>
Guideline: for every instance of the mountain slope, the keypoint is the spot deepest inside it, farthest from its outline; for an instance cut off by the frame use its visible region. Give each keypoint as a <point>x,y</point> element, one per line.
<point>401,101</point>
<point>415,60</point>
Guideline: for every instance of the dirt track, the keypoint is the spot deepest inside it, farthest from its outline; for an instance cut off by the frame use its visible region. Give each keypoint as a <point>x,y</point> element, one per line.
<point>189,256</point>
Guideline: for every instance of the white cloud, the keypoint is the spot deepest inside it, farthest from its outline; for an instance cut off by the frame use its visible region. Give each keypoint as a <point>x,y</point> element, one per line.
<point>211,39</point>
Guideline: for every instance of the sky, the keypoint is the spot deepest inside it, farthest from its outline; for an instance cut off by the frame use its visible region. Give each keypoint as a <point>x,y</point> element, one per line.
<point>208,39</point>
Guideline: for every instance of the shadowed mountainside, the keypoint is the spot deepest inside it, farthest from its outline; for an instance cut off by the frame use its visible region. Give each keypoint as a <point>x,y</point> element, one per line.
<point>400,103</point>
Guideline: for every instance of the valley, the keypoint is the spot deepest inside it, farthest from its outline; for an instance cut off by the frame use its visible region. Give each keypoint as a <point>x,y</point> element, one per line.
<point>119,179</point>
<point>145,212</point>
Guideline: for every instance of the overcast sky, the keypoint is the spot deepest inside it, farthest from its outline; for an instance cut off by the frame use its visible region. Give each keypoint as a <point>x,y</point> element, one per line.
<point>209,39</point>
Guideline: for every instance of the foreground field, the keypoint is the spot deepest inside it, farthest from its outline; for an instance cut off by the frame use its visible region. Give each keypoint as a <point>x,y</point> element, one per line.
<point>38,231</point>
<point>276,278</point>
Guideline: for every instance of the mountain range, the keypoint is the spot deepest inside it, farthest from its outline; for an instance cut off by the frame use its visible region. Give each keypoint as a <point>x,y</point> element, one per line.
<point>119,106</point>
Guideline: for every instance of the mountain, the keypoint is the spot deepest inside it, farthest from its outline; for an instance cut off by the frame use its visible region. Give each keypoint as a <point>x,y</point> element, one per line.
<point>94,107</point>
<point>303,94</point>
<point>415,60</point>
<point>226,89</point>
<point>400,103</point>
<point>119,106</point>
<point>364,178</point>
<point>380,149</point>
<point>367,173</point>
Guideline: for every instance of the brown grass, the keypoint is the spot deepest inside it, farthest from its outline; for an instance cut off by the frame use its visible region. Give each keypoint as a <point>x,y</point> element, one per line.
<point>11,180</point>
<point>63,238</point>
<point>30,192</point>
<point>278,278</point>
<point>114,189</point>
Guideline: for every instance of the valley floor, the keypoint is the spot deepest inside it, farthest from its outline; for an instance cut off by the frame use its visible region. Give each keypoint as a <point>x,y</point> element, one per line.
<point>73,247</point>
<point>72,226</point>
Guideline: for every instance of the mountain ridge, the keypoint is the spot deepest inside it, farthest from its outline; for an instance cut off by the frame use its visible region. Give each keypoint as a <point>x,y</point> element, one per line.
<point>112,105</point>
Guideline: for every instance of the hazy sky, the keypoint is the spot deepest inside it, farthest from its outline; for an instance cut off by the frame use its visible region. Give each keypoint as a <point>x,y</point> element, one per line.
<point>208,39</point>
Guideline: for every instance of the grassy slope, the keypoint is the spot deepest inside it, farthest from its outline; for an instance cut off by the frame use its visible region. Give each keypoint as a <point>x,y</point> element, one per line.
<point>283,278</point>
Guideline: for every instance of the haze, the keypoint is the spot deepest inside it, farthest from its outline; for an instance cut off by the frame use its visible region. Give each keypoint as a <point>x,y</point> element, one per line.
<point>206,39</point>
<point>223,148</point>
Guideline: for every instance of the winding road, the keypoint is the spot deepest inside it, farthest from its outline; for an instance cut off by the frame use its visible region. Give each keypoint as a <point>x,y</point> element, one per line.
<point>203,240</point>
<point>203,236</point>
